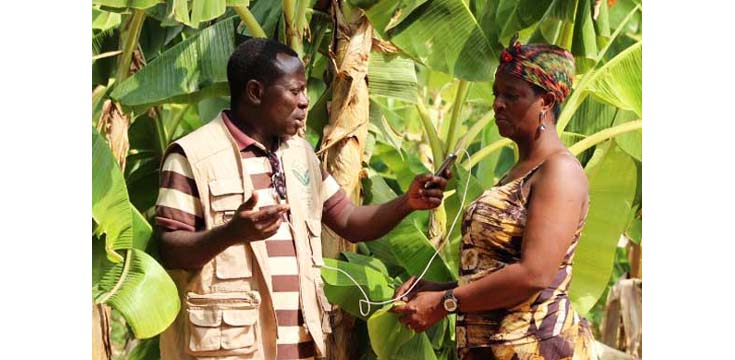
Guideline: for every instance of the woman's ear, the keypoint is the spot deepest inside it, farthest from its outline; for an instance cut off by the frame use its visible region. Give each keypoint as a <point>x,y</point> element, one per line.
<point>254,91</point>
<point>548,100</point>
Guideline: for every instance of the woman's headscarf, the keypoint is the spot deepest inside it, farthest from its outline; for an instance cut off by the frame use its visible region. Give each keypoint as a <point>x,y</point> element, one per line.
<point>548,66</point>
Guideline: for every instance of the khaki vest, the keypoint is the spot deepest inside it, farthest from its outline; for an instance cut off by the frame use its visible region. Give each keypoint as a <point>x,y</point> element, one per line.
<point>226,307</point>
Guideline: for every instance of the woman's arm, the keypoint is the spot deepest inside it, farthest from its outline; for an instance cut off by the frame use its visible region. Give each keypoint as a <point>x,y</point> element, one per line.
<point>556,201</point>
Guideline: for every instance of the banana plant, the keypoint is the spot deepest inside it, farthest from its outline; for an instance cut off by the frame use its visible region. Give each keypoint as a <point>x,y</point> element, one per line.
<point>124,276</point>
<point>429,86</point>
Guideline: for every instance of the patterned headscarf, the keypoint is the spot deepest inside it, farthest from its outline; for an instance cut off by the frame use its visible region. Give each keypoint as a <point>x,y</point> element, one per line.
<point>548,66</point>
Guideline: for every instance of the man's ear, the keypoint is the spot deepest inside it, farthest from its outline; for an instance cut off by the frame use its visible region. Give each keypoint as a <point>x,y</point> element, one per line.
<point>254,91</point>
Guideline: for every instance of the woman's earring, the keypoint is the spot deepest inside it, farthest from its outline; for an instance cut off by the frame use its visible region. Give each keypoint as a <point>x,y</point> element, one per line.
<point>541,117</point>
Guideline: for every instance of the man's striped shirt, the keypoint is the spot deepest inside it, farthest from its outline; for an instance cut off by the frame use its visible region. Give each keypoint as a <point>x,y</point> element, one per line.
<point>178,208</point>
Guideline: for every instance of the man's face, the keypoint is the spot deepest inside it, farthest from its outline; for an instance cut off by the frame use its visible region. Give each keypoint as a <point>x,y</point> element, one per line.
<point>284,102</point>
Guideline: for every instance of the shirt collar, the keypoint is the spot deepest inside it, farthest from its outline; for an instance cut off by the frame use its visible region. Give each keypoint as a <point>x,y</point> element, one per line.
<point>241,138</point>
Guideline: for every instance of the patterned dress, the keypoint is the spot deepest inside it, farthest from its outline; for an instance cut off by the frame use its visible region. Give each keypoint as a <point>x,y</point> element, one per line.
<point>543,327</point>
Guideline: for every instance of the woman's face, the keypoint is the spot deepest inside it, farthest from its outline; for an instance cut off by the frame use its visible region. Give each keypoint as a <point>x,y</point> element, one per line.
<point>516,106</point>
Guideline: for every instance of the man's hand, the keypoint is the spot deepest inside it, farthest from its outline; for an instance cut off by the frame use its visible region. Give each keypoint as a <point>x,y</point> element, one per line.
<point>251,225</point>
<point>427,191</point>
<point>425,310</point>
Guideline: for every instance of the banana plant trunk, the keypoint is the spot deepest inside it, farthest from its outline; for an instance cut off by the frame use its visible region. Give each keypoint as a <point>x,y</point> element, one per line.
<point>101,347</point>
<point>344,141</point>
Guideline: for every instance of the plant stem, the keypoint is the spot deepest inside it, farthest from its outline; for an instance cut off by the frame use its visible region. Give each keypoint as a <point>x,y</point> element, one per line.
<point>603,135</point>
<point>567,30</point>
<point>250,22</point>
<point>434,142</point>
<point>161,132</point>
<point>461,95</point>
<point>292,32</point>
<point>121,280</point>
<point>484,152</point>
<point>300,25</point>
<point>177,121</point>
<point>472,133</point>
<point>615,34</point>
<point>129,43</point>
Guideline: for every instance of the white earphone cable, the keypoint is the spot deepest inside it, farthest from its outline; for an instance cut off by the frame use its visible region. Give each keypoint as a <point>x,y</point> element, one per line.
<point>366,300</point>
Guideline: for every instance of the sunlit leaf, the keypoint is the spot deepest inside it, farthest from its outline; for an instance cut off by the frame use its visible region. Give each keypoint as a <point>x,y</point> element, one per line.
<point>443,34</point>
<point>141,290</point>
<point>111,208</point>
<point>611,198</point>
<point>340,289</point>
<point>135,4</point>
<point>391,339</point>
<point>189,71</point>
<point>392,76</point>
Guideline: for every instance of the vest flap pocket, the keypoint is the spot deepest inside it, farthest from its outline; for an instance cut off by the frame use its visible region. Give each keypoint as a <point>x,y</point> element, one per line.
<point>239,317</point>
<point>205,317</point>
<point>226,194</point>
<point>219,187</point>
<point>222,324</point>
<point>315,241</point>
<point>239,338</point>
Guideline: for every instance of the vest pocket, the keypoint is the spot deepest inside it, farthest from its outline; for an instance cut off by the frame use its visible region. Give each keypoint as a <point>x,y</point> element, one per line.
<point>222,324</point>
<point>314,228</point>
<point>225,196</point>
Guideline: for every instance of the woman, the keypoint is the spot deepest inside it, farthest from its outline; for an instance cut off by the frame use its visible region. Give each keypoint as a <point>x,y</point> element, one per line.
<point>519,237</point>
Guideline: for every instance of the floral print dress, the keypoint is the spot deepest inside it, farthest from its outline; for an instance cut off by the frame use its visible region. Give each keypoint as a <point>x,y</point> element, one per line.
<point>543,327</point>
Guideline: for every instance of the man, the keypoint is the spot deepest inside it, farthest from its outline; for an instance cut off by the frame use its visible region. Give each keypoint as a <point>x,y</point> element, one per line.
<point>240,210</point>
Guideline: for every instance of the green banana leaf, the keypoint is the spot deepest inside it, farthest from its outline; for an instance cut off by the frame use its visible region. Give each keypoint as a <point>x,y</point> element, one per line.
<point>611,198</point>
<point>411,248</point>
<point>630,142</point>
<point>584,40</point>
<point>618,83</point>
<point>340,289</point>
<point>111,208</point>
<point>147,349</point>
<point>141,290</point>
<point>383,118</point>
<point>105,20</point>
<point>514,16</point>
<point>142,230</point>
<point>486,167</point>
<point>392,76</point>
<point>125,4</point>
<point>442,34</point>
<point>391,339</point>
<point>187,72</point>
<point>406,246</point>
<point>370,261</point>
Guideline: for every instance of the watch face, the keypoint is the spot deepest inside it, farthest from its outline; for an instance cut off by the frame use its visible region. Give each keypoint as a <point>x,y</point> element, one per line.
<point>450,305</point>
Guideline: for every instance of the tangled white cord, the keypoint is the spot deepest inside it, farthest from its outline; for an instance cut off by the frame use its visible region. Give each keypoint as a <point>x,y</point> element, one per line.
<point>366,299</point>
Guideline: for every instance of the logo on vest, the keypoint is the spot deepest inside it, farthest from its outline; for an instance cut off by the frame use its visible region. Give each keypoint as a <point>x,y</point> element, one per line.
<point>302,176</point>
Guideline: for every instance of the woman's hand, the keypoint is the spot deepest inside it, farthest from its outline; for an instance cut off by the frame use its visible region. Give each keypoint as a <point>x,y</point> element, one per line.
<point>423,285</point>
<point>421,313</point>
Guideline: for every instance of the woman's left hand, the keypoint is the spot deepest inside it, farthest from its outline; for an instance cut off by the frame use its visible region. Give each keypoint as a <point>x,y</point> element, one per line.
<point>425,310</point>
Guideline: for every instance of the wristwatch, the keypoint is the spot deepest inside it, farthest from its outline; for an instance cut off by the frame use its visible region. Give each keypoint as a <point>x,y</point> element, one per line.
<point>451,304</point>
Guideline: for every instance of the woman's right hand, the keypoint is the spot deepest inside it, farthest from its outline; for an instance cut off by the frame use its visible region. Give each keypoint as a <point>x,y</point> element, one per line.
<point>423,285</point>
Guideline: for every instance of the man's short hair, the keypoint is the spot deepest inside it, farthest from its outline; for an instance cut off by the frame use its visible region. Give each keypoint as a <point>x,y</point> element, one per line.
<point>254,59</point>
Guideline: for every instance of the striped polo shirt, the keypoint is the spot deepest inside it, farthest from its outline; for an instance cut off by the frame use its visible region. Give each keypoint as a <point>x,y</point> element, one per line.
<point>178,208</point>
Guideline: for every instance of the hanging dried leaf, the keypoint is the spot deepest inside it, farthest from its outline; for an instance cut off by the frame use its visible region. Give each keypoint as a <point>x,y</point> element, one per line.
<point>621,325</point>
<point>113,125</point>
